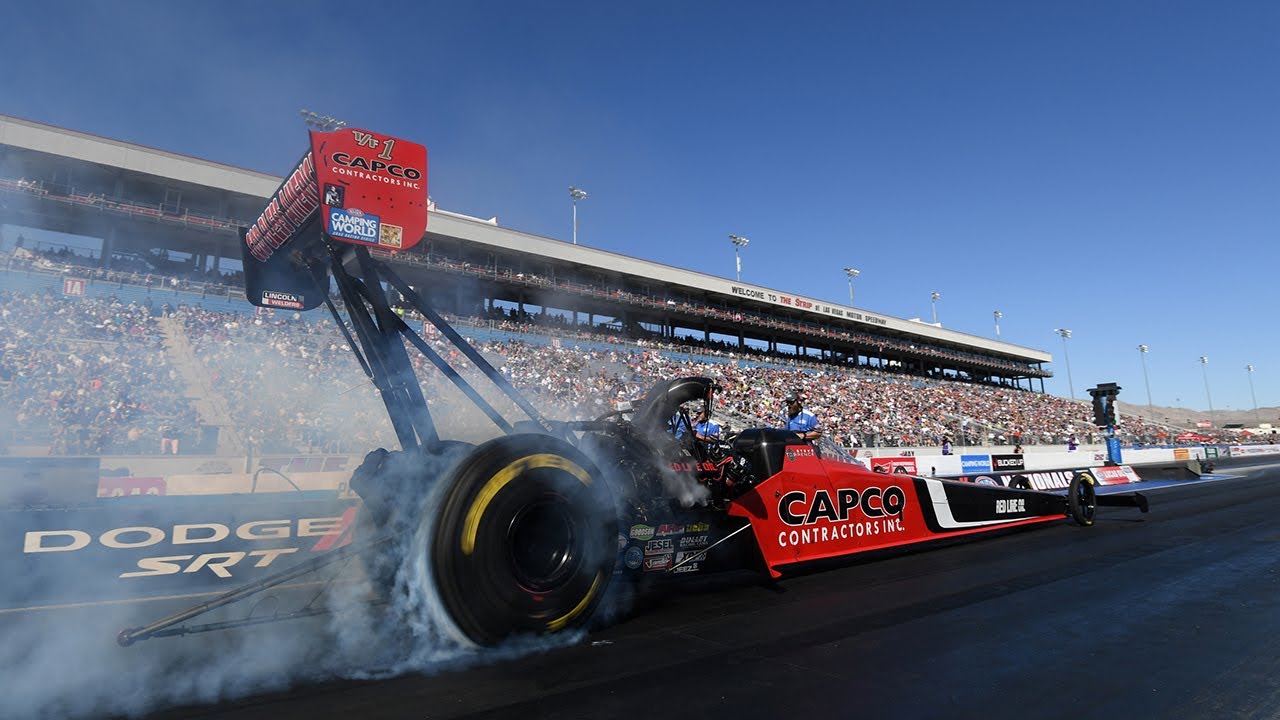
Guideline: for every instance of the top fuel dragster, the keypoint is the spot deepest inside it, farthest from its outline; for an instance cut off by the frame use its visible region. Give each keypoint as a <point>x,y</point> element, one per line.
<point>526,531</point>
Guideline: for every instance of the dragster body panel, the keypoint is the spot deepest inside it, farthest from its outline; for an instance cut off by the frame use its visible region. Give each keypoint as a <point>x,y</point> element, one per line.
<point>815,509</point>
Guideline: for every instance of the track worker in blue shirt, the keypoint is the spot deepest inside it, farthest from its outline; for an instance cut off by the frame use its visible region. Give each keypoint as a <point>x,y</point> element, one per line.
<point>800,421</point>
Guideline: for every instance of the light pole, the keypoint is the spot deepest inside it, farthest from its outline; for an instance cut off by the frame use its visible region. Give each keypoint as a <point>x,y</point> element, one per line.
<point>1204,364</point>
<point>1065,333</point>
<point>1256,417</point>
<point>739,242</point>
<point>936,297</point>
<point>852,274</point>
<point>1142,353</point>
<point>576,194</point>
<point>321,122</point>
<point>998,315</point>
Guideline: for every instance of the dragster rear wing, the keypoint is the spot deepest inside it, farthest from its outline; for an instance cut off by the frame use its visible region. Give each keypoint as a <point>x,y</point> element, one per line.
<point>353,186</point>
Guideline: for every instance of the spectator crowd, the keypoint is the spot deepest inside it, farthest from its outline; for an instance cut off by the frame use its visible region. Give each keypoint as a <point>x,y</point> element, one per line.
<point>94,377</point>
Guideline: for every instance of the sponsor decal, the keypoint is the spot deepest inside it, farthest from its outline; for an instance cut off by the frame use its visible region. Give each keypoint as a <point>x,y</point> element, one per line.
<point>1181,454</point>
<point>633,557</point>
<point>334,195</point>
<point>986,480</point>
<point>287,211</point>
<point>377,169</point>
<point>797,508</point>
<point>1110,475</point>
<point>851,513</point>
<point>698,527</point>
<point>691,556</point>
<point>664,530</point>
<point>328,529</point>
<point>1011,506</point>
<point>1007,462</point>
<point>275,298</point>
<point>1051,480</point>
<point>641,532</point>
<point>391,236</point>
<point>694,541</point>
<point>794,452</point>
<point>975,463</point>
<point>657,562</point>
<point>125,486</point>
<point>353,225</point>
<point>661,545</point>
<point>691,567</point>
<point>622,542</point>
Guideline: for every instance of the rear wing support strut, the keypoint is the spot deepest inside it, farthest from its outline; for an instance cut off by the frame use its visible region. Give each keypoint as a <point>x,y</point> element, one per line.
<point>465,348</point>
<point>392,372</point>
<point>379,349</point>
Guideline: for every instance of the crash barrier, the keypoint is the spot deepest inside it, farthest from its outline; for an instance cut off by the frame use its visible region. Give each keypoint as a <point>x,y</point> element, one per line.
<point>1252,450</point>
<point>1051,479</point>
<point>927,461</point>
<point>41,483</point>
<point>44,482</point>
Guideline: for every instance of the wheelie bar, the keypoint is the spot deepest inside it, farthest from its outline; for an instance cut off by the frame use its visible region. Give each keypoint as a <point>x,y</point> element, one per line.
<point>161,627</point>
<point>1136,499</point>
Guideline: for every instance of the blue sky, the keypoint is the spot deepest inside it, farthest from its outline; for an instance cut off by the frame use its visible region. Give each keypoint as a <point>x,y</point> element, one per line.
<point>1108,167</point>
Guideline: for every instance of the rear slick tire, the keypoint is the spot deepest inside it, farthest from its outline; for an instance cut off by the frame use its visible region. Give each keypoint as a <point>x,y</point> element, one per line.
<point>525,541</point>
<point>1082,499</point>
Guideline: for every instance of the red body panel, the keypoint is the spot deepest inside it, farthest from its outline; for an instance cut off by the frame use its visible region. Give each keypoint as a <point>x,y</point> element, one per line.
<point>815,509</point>
<point>365,188</point>
<point>373,188</point>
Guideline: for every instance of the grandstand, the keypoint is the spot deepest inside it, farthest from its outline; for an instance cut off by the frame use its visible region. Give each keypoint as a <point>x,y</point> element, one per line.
<point>577,328</point>
<point>151,204</point>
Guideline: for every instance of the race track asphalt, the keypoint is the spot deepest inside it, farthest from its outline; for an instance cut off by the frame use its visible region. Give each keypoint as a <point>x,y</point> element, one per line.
<point>1173,614</point>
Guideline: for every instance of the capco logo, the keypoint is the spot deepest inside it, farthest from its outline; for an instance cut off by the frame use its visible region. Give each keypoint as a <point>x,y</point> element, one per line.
<point>376,166</point>
<point>797,508</point>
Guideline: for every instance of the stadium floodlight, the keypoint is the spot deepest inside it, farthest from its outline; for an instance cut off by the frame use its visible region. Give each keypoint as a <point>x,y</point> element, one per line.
<point>576,194</point>
<point>322,122</point>
<point>1204,364</point>
<point>935,296</point>
<point>1142,352</point>
<point>1065,333</point>
<point>739,242</point>
<point>852,274</point>
<point>1257,418</point>
<point>997,315</point>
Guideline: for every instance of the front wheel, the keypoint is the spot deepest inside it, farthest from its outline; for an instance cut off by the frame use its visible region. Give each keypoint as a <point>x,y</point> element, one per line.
<point>1082,499</point>
<point>526,539</point>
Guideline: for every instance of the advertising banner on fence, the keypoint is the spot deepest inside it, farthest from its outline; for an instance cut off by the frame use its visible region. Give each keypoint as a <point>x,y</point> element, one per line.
<point>1000,463</point>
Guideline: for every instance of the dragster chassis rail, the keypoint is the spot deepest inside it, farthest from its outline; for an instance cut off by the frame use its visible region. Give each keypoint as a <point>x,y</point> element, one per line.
<point>165,626</point>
